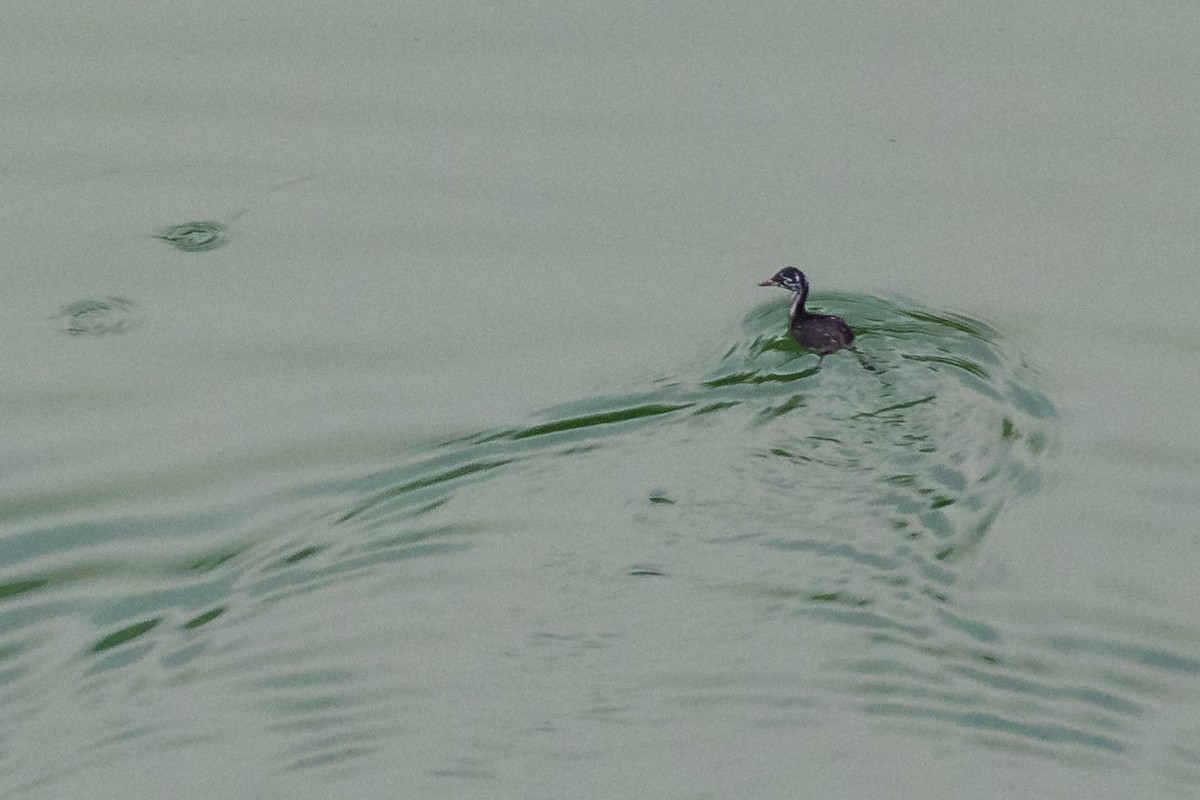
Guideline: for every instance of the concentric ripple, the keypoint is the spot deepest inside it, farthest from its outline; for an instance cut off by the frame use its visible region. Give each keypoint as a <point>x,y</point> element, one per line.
<point>99,317</point>
<point>194,237</point>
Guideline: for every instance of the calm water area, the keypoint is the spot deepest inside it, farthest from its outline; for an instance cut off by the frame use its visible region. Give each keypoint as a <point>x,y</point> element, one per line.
<point>391,409</point>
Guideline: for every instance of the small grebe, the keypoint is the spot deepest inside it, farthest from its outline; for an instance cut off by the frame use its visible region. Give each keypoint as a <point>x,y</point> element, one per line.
<point>821,333</point>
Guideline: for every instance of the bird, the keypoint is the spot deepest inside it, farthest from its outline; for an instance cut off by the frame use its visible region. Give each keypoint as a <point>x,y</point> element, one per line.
<point>821,333</point>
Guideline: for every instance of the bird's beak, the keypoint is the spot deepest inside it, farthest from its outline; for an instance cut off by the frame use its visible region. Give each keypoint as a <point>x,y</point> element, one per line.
<point>769,282</point>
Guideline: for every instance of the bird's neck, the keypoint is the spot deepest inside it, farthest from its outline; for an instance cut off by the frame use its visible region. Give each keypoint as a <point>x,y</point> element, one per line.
<point>798,299</point>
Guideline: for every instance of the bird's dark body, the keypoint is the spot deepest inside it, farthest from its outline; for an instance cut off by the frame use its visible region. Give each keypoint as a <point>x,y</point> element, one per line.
<point>822,333</point>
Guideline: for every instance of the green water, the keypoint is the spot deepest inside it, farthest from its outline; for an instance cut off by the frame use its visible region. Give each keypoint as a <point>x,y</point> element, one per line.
<point>391,407</point>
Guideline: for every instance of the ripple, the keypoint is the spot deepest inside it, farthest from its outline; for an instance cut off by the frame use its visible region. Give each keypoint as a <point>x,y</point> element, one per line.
<point>194,237</point>
<point>922,453</point>
<point>853,497</point>
<point>831,496</point>
<point>99,317</point>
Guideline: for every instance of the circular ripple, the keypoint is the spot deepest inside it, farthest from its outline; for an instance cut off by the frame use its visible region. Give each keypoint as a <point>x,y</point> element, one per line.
<point>99,317</point>
<point>930,446</point>
<point>194,237</point>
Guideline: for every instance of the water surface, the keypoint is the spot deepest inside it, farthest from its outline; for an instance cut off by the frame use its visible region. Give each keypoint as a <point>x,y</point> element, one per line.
<point>391,407</point>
